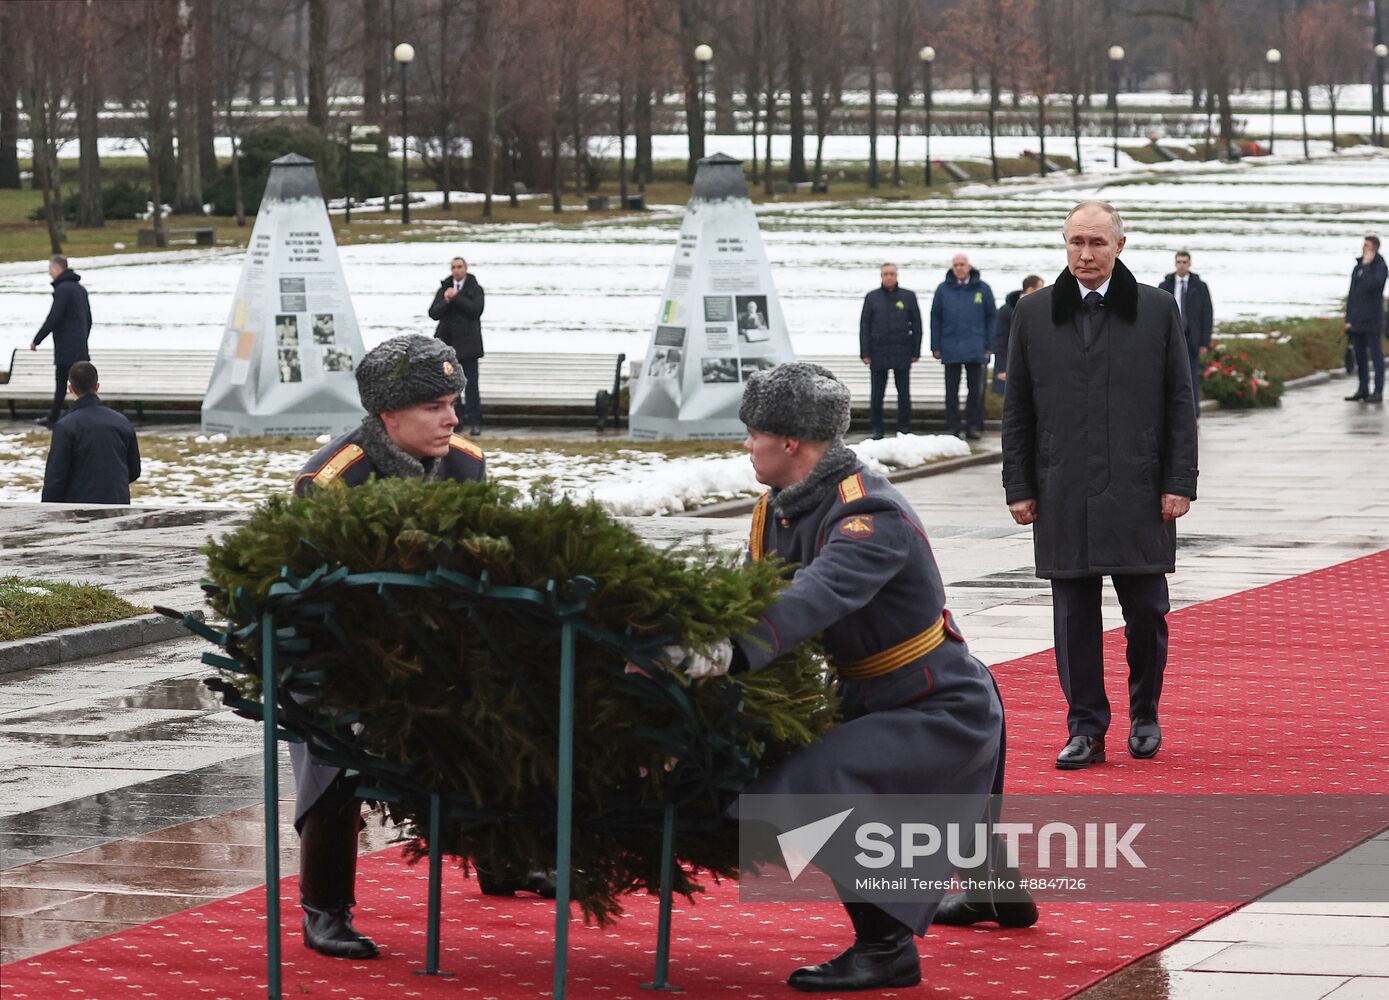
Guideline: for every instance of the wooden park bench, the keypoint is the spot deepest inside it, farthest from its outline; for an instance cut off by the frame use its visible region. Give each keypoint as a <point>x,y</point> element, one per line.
<point>203,236</point>
<point>516,383</point>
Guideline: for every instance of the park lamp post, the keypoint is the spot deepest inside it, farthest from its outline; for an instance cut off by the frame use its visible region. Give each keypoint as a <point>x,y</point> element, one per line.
<point>927,56</point>
<point>1381,50</point>
<point>1116,56</point>
<point>404,54</point>
<point>703,53</point>
<point>1274,57</point>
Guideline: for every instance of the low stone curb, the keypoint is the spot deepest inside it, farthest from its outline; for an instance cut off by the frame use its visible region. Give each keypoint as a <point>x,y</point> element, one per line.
<point>70,644</point>
<point>744,505</point>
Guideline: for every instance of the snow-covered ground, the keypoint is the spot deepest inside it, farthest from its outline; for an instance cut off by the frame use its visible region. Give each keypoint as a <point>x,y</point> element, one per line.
<point>626,481</point>
<point>1271,236</point>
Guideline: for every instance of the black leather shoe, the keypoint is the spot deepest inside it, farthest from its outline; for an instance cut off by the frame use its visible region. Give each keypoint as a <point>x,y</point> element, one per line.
<point>974,435</point>
<point>475,430</point>
<point>540,883</point>
<point>961,911</point>
<point>1081,751</point>
<point>44,422</point>
<point>885,963</point>
<point>330,932</point>
<point>1145,736</point>
<point>1375,397</point>
<point>1359,397</point>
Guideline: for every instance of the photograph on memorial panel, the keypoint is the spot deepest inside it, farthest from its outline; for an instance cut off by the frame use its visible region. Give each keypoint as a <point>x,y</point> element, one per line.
<point>287,331</point>
<point>323,329</point>
<point>719,370</point>
<point>293,285</point>
<point>665,363</point>
<point>337,359</point>
<point>294,303</point>
<point>291,370</point>
<point>751,365</point>
<point>752,318</point>
<point>670,336</point>
<point>718,309</point>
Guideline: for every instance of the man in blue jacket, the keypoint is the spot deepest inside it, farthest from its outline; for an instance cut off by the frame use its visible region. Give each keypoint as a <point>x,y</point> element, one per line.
<point>94,456</point>
<point>962,320</point>
<point>1365,320</point>
<point>70,322</point>
<point>889,340</point>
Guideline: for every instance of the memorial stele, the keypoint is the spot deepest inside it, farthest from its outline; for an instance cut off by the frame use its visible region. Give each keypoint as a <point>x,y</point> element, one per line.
<point>291,345</point>
<point>720,319</point>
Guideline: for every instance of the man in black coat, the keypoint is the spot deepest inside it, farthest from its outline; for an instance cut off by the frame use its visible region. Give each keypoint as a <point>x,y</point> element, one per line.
<point>1365,320</point>
<point>889,340</point>
<point>1198,320</point>
<point>1003,320</point>
<point>458,307</point>
<point>94,456</point>
<point>70,322</point>
<point>1099,455</point>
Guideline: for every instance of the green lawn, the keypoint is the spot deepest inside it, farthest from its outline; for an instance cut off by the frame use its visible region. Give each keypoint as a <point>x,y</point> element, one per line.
<point>33,607</point>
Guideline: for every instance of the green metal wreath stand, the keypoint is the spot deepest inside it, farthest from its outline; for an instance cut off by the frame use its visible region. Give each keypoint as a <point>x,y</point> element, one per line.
<point>561,606</point>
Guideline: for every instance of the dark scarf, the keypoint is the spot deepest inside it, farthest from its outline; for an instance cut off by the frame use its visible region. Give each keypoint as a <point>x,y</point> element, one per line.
<point>388,458</point>
<point>1122,296</point>
<point>806,495</point>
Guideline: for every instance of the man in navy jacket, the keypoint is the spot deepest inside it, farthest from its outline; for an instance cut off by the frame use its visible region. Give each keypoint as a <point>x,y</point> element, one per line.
<point>94,456</point>
<point>962,322</point>
<point>70,322</point>
<point>889,340</point>
<point>1365,320</point>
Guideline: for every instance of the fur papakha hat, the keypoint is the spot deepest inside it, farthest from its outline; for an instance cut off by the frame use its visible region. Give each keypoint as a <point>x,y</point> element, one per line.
<point>798,400</point>
<point>407,370</point>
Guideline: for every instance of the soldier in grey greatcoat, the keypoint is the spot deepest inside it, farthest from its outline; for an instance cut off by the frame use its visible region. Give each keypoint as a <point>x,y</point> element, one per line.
<point>408,386</point>
<point>921,715</point>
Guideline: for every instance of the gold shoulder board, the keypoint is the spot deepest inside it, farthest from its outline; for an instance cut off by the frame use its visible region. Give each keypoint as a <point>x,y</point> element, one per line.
<point>464,445</point>
<point>337,465</point>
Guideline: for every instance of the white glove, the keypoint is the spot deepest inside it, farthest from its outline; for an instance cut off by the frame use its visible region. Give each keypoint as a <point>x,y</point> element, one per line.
<point>713,661</point>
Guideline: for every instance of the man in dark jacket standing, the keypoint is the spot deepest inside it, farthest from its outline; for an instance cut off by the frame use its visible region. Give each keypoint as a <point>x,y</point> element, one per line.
<point>70,322</point>
<point>1099,455</point>
<point>1365,320</point>
<point>1002,322</point>
<point>962,324</point>
<point>889,340</point>
<point>94,456</point>
<point>1194,307</point>
<point>458,307</point>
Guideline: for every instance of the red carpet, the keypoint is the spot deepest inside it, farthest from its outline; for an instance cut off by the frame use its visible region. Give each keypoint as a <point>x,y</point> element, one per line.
<point>1279,690</point>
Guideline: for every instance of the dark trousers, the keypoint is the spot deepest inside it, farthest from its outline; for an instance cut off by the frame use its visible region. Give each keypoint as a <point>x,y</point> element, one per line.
<point>903,378</point>
<point>1079,634</point>
<point>974,402</point>
<point>60,392</point>
<point>469,408</point>
<point>1369,351</point>
<point>1194,355</point>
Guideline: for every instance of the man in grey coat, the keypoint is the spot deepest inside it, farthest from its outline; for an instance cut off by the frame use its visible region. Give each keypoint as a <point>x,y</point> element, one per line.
<point>1099,455</point>
<point>921,715</point>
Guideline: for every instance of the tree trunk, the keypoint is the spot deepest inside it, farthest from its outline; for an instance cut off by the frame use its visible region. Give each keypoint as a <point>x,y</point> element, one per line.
<point>371,61</point>
<point>188,190</point>
<point>489,152</point>
<point>1042,134</point>
<point>299,53</point>
<point>641,130</point>
<point>1306,146</point>
<point>203,45</point>
<point>1227,115</point>
<point>873,98</point>
<point>795,85</point>
<point>90,214</point>
<point>318,63</point>
<point>897,141</point>
<point>1331,107</point>
<point>993,124</point>
<point>9,95</point>
<point>240,201</point>
<point>725,117</point>
<point>1075,127</point>
<point>556,195</point>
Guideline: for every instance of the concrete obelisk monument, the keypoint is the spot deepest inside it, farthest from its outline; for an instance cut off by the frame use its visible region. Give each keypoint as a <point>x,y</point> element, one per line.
<point>720,319</point>
<point>291,342</point>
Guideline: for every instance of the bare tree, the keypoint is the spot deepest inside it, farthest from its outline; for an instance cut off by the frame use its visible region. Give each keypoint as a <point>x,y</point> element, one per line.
<point>905,28</point>
<point>372,61</point>
<point>825,31</point>
<point>45,92</point>
<point>9,97</point>
<point>90,213</point>
<point>188,191</point>
<point>318,64</point>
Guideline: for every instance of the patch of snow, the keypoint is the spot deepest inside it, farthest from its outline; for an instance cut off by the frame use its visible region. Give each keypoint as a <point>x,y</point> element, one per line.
<point>907,450</point>
<point>322,439</point>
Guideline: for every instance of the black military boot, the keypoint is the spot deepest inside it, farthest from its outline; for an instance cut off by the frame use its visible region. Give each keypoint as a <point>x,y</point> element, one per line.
<point>883,956</point>
<point>1006,907</point>
<point>327,879</point>
<point>540,883</point>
